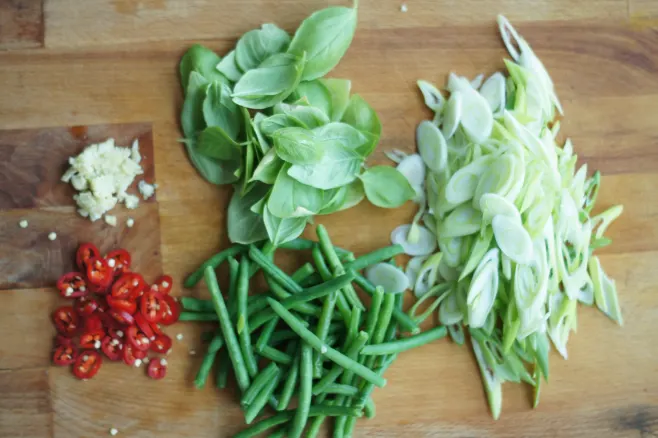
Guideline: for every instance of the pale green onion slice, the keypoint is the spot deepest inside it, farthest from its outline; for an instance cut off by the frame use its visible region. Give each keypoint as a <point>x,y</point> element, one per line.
<point>492,205</point>
<point>476,83</point>
<point>605,291</point>
<point>449,312</point>
<point>603,220</point>
<point>425,244</point>
<point>493,91</point>
<point>462,221</point>
<point>464,182</point>
<point>492,384</point>
<point>513,240</point>
<point>477,118</point>
<point>452,115</point>
<point>478,250</point>
<point>428,274</point>
<point>413,268</point>
<point>433,97</point>
<point>391,278</point>
<point>395,155</point>
<point>413,168</point>
<point>432,146</point>
<point>451,249</point>
<point>483,289</point>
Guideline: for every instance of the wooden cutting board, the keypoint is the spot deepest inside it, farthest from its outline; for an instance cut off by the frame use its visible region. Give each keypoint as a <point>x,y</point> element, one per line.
<point>110,66</point>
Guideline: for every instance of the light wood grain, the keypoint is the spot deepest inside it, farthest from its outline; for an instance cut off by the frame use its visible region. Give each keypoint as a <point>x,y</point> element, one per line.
<point>115,61</point>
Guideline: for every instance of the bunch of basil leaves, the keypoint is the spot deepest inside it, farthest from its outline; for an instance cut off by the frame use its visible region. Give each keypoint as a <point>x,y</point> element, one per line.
<point>292,142</point>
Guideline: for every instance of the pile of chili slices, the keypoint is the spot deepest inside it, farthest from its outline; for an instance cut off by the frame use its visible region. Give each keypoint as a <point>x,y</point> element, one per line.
<point>114,311</point>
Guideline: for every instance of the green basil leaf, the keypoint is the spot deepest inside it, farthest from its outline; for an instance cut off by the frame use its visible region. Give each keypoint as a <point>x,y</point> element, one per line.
<point>316,94</point>
<point>229,68</point>
<point>273,81</point>
<point>282,230</point>
<point>257,45</point>
<point>245,226</point>
<point>201,60</point>
<point>346,135</point>
<point>361,115</point>
<point>309,116</point>
<point>386,187</point>
<point>191,117</point>
<point>297,146</point>
<point>289,198</point>
<point>339,90</point>
<point>269,125</point>
<point>263,144</point>
<point>268,168</point>
<point>343,197</point>
<point>259,207</point>
<point>219,110</point>
<point>214,171</point>
<point>214,142</point>
<point>324,37</point>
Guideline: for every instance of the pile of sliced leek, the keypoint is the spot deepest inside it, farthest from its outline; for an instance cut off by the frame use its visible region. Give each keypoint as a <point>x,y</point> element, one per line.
<point>510,215</point>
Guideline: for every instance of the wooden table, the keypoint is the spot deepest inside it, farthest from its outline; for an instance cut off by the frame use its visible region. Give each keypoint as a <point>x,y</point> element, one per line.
<point>70,63</point>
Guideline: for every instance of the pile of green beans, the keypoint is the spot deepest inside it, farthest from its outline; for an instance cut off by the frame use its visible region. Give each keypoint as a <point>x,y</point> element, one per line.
<point>309,337</point>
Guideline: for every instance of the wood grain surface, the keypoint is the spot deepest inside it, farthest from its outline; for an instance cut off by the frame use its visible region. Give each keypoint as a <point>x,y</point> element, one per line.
<point>114,63</point>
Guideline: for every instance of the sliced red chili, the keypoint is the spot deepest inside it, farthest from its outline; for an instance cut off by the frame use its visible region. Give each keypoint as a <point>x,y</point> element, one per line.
<point>87,364</point>
<point>94,322</point>
<point>117,332</point>
<point>72,285</point>
<point>170,310</point>
<point>119,260</point>
<point>100,290</point>
<point>163,284</point>
<point>91,340</point>
<point>99,272</point>
<point>113,348</point>
<point>122,317</point>
<point>151,306</point>
<point>86,305</point>
<point>156,328</point>
<point>137,338</point>
<point>63,340</point>
<point>144,326</point>
<point>161,344</point>
<point>128,286</point>
<point>67,321</point>
<point>85,252</point>
<point>132,354</point>
<point>157,368</point>
<point>65,355</point>
<point>121,304</point>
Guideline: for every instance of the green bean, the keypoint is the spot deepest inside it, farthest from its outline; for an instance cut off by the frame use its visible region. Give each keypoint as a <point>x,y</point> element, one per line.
<point>279,292</point>
<point>353,328</point>
<point>267,249</point>
<point>197,316</point>
<point>281,336</point>
<point>339,427</point>
<point>260,381</point>
<point>266,334</point>
<point>336,265</point>
<point>289,385</point>
<point>222,369</point>
<point>333,355</point>
<point>282,417</point>
<point>305,391</point>
<point>319,291</point>
<point>196,305</point>
<point>375,307</point>
<point>366,391</point>
<point>377,256</point>
<point>262,398</point>
<point>256,303</point>
<point>406,323</point>
<point>301,244</point>
<point>279,433</point>
<point>276,355</point>
<point>213,262</point>
<point>242,295</point>
<point>352,352</point>
<point>341,302</point>
<point>322,329</point>
<point>342,389</point>
<point>314,428</point>
<point>274,271</point>
<point>384,319</point>
<point>208,360</point>
<point>370,409</point>
<point>230,338</point>
<point>405,344</point>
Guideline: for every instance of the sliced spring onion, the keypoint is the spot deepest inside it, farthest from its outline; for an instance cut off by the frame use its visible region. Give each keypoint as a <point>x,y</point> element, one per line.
<point>391,278</point>
<point>452,115</point>
<point>432,146</point>
<point>425,243</point>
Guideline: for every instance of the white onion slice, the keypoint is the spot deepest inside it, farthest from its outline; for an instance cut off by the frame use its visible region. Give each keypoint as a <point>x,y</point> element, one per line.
<point>476,118</point>
<point>452,115</point>
<point>493,91</point>
<point>433,97</point>
<point>513,240</point>
<point>428,275</point>
<point>392,279</point>
<point>432,146</point>
<point>414,266</point>
<point>425,245</point>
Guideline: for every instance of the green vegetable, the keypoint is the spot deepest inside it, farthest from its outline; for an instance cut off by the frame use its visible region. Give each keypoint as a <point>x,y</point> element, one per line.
<point>242,317</point>
<point>228,67</point>
<point>405,344</point>
<point>339,90</point>
<point>274,271</point>
<point>262,398</point>
<point>324,37</point>
<point>317,94</point>
<point>202,61</point>
<point>260,381</point>
<point>305,394</point>
<point>228,330</point>
<point>208,360</point>
<point>257,45</point>
<point>360,115</point>
<point>270,83</point>
<point>290,198</point>
<point>245,226</point>
<point>386,187</point>
<point>220,111</point>
<point>297,146</point>
<point>281,230</point>
<point>329,352</point>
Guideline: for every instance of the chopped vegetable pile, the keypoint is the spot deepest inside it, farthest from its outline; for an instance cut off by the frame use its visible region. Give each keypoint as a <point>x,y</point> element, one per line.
<point>114,311</point>
<point>512,218</point>
<point>308,337</point>
<point>292,142</point>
